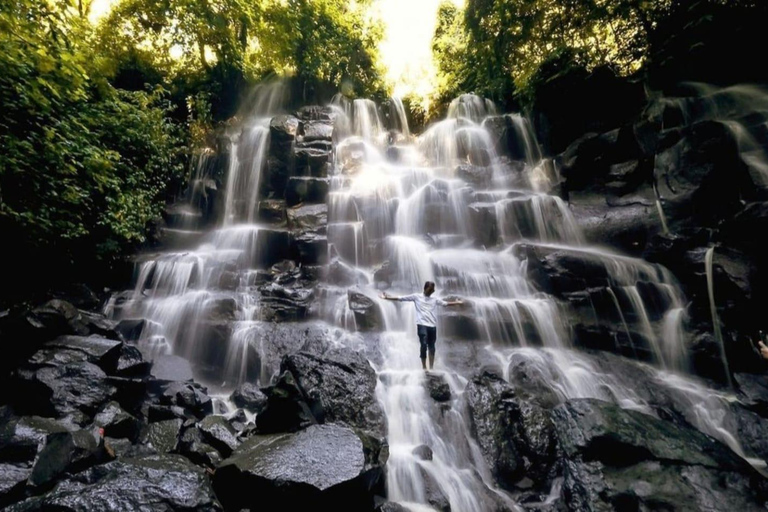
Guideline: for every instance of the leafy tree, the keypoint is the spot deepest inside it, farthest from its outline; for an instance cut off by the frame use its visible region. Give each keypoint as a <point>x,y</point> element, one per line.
<point>83,167</point>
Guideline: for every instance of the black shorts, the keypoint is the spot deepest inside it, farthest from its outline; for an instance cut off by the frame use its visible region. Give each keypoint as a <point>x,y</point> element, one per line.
<point>427,338</point>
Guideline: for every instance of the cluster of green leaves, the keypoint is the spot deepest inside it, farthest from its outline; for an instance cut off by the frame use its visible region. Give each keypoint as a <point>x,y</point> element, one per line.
<point>218,46</point>
<point>98,120</point>
<point>84,166</point>
<point>496,47</point>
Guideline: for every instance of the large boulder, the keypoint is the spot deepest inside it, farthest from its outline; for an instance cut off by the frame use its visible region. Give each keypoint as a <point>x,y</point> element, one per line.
<point>286,409</point>
<point>75,389</point>
<point>514,432</point>
<point>322,466</point>
<point>615,458</point>
<point>66,452</point>
<point>153,482</point>
<point>368,314</point>
<point>250,397</point>
<point>702,177</point>
<point>338,386</point>
<point>627,223</point>
<point>21,439</point>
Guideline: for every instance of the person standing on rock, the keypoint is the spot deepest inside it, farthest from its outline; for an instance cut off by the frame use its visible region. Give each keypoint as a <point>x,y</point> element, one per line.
<point>426,321</point>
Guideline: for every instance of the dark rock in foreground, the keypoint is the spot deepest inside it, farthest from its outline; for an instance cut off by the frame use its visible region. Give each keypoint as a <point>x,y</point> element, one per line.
<point>321,466</point>
<point>616,459</point>
<point>155,482</point>
<point>338,387</point>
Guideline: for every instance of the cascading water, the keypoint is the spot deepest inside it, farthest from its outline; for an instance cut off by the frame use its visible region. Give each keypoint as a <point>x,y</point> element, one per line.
<point>467,229</point>
<point>444,207</point>
<point>202,303</point>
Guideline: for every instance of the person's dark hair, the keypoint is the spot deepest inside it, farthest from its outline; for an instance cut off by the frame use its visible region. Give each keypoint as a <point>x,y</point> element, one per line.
<point>429,288</point>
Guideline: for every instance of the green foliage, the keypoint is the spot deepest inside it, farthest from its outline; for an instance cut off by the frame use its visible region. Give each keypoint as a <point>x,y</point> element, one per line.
<point>219,46</point>
<point>83,165</point>
<point>496,47</point>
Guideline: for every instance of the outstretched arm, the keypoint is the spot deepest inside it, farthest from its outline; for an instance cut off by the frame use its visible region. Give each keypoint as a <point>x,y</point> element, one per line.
<point>385,295</point>
<point>457,302</point>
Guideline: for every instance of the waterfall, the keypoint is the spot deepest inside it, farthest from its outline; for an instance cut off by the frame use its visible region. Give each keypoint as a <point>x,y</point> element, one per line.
<point>708,261</point>
<point>201,303</point>
<point>404,223</point>
<point>484,228</point>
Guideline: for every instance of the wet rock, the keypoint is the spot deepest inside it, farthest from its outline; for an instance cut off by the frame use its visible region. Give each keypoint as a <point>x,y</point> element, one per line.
<point>315,130</point>
<point>164,436</point>
<point>753,389</point>
<point>222,309</point>
<point>131,363</point>
<point>219,433</point>
<point>249,397</point>
<point>170,368</point>
<point>322,466</point>
<point>20,441</point>
<point>21,438</point>
<point>283,128</point>
<point>495,412</point>
<point>66,452</point>
<point>98,325</point>
<point>702,177</point>
<point>131,328</point>
<point>194,447</point>
<point>338,386</point>
<point>626,224</point>
<point>272,210</point>
<point>238,420</point>
<point>283,304</point>
<point>480,177</point>
<point>483,215</point>
<point>60,315</point>
<point>300,189</point>
<point>307,217</point>
<point>76,389</point>
<point>13,479</point>
<point>384,273</point>
<point>189,396</point>
<point>423,452</point>
<point>390,506</point>
<point>100,351</point>
<point>281,339</point>
<point>165,412</point>
<point>229,281</point>
<point>438,388</point>
<point>322,113</point>
<point>368,315</point>
<point>312,158</point>
<point>433,493</point>
<point>286,410</point>
<point>615,457</point>
<point>312,248</point>
<point>341,274</point>
<point>117,423</point>
<point>153,482</point>
<point>280,246</point>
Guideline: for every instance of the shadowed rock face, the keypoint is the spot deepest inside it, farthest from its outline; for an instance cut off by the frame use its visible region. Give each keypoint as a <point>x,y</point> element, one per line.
<point>339,387</point>
<point>316,466</point>
<point>618,458</point>
<point>154,482</point>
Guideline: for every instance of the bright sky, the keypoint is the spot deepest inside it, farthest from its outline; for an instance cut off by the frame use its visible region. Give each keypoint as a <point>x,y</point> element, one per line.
<point>99,8</point>
<point>406,48</point>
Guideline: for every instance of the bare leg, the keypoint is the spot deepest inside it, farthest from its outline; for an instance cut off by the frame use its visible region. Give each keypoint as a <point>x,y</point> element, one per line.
<point>431,360</point>
<point>424,363</point>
